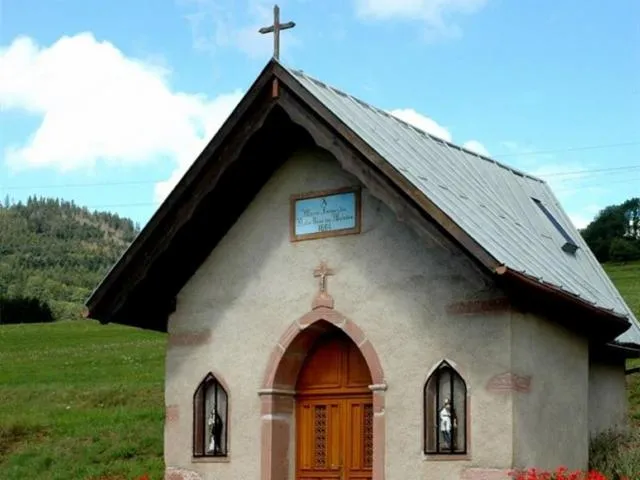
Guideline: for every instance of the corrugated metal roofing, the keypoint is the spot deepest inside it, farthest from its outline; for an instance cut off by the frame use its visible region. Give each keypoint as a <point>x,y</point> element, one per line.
<point>492,202</point>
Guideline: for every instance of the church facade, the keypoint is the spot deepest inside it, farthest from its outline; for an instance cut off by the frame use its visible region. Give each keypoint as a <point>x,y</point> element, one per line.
<point>347,297</point>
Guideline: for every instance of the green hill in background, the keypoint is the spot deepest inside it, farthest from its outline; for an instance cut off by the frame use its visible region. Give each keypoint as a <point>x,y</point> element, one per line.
<point>53,253</point>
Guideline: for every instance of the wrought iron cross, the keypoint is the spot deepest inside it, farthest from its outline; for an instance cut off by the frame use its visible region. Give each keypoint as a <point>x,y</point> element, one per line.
<point>275,29</point>
<point>322,272</point>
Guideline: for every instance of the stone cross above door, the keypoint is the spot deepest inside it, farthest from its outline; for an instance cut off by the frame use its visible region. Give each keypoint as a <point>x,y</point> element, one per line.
<point>322,298</point>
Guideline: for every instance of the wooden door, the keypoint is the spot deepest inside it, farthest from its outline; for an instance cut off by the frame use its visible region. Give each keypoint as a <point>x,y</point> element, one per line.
<point>334,413</point>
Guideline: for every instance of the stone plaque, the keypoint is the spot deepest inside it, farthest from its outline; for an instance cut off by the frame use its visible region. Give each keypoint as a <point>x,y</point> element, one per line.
<point>325,214</point>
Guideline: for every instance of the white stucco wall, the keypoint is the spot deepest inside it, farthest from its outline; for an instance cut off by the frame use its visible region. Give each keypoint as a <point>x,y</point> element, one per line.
<point>396,288</point>
<point>607,397</point>
<point>550,422</point>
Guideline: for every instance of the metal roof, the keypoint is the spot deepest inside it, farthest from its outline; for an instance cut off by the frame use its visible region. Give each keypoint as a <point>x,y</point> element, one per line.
<point>492,202</point>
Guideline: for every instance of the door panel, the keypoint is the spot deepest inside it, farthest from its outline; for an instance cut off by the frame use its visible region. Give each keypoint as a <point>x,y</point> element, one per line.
<point>334,366</point>
<point>319,438</point>
<point>360,439</point>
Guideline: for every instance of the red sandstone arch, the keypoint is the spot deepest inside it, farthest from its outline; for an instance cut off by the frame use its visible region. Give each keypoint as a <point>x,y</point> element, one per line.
<point>289,353</point>
<point>278,390</point>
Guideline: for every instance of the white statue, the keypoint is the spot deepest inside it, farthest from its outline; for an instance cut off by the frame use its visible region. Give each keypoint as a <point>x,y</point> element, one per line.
<point>447,422</point>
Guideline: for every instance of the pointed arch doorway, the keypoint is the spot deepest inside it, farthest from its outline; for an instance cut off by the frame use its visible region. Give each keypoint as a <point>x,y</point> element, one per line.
<point>280,399</point>
<point>334,412</point>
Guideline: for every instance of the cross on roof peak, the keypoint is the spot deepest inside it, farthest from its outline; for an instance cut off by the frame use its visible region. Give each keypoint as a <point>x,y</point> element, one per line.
<point>275,29</point>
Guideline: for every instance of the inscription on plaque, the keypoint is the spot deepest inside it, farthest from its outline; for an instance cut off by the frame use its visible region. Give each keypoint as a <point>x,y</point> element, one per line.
<point>324,214</point>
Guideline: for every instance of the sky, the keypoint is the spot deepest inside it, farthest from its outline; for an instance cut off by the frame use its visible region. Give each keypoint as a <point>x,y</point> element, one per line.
<point>108,103</point>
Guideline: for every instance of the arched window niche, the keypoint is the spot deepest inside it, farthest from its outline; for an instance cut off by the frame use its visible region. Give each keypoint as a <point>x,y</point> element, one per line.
<point>210,419</point>
<point>445,412</point>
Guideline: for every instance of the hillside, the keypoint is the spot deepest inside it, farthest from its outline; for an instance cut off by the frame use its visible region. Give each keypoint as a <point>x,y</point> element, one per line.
<point>56,252</point>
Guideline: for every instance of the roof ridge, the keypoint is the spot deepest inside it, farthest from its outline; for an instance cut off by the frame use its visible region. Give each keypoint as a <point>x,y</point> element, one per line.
<point>413,127</point>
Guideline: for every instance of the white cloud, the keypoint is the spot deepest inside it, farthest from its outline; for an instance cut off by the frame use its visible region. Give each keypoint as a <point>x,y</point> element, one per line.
<point>433,13</point>
<point>477,147</point>
<point>97,104</point>
<point>584,216</point>
<point>579,220</point>
<point>422,122</point>
<point>432,127</point>
<point>213,116</point>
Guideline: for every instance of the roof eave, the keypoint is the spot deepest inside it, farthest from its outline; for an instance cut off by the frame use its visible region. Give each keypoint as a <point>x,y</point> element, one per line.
<point>630,350</point>
<point>613,352</point>
<point>616,324</point>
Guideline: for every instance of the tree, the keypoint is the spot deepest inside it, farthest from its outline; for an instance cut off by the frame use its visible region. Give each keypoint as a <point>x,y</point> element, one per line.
<point>615,222</point>
<point>631,210</point>
<point>624,250</point>
<point>52,254</point>
<point>24,310</point>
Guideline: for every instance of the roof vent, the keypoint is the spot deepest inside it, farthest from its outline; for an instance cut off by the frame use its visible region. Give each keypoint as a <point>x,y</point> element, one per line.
<point>570,246</point>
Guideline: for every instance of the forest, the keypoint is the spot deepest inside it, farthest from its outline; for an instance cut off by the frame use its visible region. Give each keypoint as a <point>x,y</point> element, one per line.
<point>53,253</point>
<point>614,234</point>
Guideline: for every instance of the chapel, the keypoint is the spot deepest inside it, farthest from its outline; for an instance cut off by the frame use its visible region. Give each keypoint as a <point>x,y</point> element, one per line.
<point>348,297</point>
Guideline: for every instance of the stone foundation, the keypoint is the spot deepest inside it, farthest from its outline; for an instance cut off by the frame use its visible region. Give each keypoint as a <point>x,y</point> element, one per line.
<point>181,474</point>
<point>485,474</point>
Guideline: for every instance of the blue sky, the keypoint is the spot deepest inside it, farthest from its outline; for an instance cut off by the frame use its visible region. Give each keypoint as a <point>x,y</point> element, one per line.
<point>107,103</point>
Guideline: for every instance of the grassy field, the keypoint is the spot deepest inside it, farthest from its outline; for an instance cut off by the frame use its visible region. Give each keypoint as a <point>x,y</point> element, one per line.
<point>627,278</point>
<point>80,400</point>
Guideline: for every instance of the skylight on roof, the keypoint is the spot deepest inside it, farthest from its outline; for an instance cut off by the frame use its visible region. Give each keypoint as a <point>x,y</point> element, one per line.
<point>570,245</point>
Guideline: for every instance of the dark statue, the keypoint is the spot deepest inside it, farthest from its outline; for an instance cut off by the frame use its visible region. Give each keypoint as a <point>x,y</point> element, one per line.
<point>215,429</point>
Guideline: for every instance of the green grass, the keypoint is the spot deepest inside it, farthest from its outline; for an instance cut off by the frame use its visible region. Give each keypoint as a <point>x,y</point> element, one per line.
<point>616,454</point>
<point>626,277</point>
<point>79,400</point>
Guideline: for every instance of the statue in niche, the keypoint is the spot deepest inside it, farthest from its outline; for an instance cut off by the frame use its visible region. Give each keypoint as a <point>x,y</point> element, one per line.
<point>215,429</point>
<point>448,424</point>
